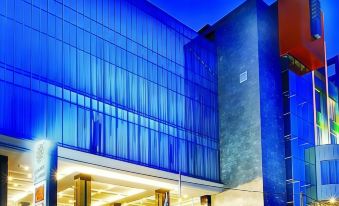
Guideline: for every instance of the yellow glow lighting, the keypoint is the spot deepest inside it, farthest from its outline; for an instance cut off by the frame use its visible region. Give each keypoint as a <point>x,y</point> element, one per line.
<point>10,178</point>
<point>20,196</point>
<point>115,175</point>
<point>23,167</point>
<point>332,200</point>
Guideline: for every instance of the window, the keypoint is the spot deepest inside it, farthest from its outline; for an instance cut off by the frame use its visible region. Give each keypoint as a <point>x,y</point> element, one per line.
<point>331,107</point>
<point>243,77</point>
<point>329,172</point>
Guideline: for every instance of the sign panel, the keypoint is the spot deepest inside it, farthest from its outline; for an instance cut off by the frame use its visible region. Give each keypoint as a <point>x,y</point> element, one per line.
<point>44,159</point>
<point>315,14</point>
<point>40,194</point>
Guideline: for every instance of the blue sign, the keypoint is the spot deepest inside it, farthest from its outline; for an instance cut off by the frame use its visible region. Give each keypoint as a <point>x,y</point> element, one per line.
<point>315,19</point>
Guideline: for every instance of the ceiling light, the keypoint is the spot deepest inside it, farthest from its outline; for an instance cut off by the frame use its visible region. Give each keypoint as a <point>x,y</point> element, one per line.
<point>60,175</point>
<point>19,197</point>
<point>29,176</point>
<point>10,178</point>
<point>185,196</point>
<point>15,185</point>
<point>23,167</point>
<point>116,175</point>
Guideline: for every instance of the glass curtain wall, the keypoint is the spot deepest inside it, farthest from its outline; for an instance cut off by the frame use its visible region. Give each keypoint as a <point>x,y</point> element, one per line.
<point>327,110</point>
<point>113,77</point>
<point>299,135</point>
<point>329,135</point>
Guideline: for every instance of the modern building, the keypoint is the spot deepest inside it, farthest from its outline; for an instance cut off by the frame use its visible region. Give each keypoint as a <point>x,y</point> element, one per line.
<point>278,105</point>
<point>114,102</point>
<point>126,93</point>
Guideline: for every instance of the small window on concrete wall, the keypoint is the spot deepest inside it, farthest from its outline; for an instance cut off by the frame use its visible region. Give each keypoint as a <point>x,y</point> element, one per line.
<point>243,77</point>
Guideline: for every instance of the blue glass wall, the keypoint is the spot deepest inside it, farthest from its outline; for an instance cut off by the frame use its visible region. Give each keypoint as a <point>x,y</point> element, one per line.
<point>299,135</point>
<point>117,78</point>
<point>327,151</point>
<point>311,133</point>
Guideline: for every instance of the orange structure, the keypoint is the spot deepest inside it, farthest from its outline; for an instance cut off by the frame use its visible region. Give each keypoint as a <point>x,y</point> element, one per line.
<point>297,42</point>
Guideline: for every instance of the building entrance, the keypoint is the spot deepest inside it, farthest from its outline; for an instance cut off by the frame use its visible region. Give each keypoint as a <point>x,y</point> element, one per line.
<point>86,179</point>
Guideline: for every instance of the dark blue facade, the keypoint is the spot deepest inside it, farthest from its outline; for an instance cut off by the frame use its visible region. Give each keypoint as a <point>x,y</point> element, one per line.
<point>115,78</point>
<point>288,123</point>
<point>271,106</point>
<point>250,108</point>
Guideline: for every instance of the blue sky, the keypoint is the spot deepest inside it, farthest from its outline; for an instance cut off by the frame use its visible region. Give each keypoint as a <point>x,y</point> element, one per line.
<point>197,13</point>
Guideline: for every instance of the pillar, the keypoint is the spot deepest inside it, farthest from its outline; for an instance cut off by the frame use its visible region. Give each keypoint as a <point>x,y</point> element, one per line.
<point>3,180</point>
<point>52,183</point>
<point>82,191</point>
<point>206,200</point>
<point>162,197</point>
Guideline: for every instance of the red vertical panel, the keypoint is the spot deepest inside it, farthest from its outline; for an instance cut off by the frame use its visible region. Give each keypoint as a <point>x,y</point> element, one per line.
<point>295,34</point>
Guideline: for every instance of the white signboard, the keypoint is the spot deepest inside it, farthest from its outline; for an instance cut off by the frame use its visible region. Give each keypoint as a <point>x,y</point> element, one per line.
<point>41,170</point>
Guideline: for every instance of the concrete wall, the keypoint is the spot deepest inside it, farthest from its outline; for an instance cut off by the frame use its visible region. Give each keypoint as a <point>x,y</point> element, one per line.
<point>251,126</point>
<point>271,107</point>
<point>239,197</point>
<point>239,103</point>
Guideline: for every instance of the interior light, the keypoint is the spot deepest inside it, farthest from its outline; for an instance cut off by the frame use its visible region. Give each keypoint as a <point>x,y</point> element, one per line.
<point>115,175</point>
<point>19,196</point>
<point>60,175</point>
<point>23,167</point>
<point>185,196</point>
<point>15,185</point>
<point>29,176</point>
<point>332,200</point>
<point>10,178</point>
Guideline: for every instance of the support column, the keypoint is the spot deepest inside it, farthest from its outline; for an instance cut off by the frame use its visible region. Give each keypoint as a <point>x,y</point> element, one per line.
<point>162,197</point>
<point>115,204</point>
<point>3,180</point>
<point>206,200</point>
<point>82,191</point>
